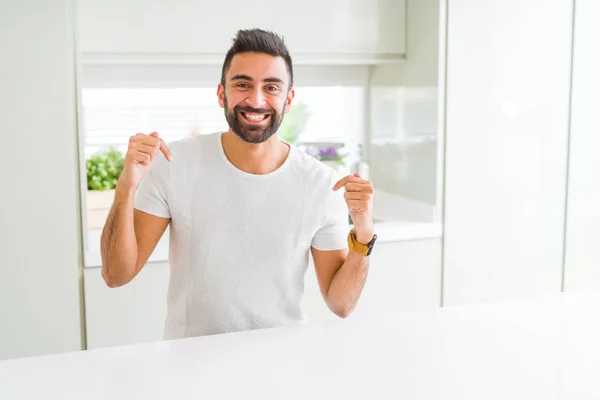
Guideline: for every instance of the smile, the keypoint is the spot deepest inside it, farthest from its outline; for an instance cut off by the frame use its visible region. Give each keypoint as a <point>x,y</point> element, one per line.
<point>254,117</point>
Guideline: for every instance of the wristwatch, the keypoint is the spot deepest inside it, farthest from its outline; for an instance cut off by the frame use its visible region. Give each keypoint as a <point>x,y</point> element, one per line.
<point>363,249</point>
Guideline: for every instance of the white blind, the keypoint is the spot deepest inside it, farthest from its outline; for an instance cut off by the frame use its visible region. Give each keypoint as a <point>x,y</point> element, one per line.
<point>105,125</point>
<point>112,115</point>
<point>189,76</point>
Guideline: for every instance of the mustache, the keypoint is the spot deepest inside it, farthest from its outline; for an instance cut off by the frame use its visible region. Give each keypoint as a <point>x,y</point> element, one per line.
<point>239,108</point>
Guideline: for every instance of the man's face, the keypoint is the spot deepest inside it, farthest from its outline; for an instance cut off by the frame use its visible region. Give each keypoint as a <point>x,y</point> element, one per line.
<point>256,95</point>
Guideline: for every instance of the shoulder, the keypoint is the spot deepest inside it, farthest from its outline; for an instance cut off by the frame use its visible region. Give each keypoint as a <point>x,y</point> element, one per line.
<point>185,154</point>
<point>327,206</point>
<point>189,147</point>
<point>187,150</point>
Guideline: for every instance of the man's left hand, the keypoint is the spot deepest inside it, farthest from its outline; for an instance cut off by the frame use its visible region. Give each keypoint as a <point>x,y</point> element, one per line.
<point>359,198</point>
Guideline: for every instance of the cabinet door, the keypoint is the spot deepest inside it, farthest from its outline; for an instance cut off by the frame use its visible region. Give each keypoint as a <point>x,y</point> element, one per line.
<point>39,275</point>
<point>506,147</point>
<point>582,262</point>
<point>404,275</point>
<point>134,313</point>
<point>203,27</point>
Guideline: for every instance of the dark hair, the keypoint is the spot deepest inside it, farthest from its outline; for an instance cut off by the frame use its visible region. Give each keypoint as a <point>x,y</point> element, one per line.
<point>258,41</point>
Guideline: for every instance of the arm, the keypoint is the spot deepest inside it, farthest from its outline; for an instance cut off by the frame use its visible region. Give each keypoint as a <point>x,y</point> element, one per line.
<point>128,239</point>
<point>341,274</point>
<point>129,236</point>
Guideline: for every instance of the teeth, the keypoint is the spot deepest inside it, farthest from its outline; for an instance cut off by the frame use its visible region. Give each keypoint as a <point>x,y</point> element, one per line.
<point>255,117</point>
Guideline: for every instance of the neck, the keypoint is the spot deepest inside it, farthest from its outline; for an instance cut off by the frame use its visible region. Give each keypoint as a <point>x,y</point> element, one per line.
<point>254,158</point>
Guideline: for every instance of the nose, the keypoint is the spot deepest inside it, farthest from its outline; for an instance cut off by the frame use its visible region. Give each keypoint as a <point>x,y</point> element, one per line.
<point>256,98</point>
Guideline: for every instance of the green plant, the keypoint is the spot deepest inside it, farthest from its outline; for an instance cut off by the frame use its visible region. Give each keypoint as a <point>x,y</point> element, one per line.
<point>294,122</point>
<point>104,168</point>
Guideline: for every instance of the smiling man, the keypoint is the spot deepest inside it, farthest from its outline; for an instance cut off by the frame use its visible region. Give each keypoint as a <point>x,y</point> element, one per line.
<point>245,210</point>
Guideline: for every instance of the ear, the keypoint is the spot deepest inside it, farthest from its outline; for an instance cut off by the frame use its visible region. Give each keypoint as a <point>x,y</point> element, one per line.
<point>288,101</point>
<point>220,95</point>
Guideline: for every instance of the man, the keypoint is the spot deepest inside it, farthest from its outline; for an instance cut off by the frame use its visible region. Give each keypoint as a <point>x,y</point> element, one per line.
<point>244,209</point>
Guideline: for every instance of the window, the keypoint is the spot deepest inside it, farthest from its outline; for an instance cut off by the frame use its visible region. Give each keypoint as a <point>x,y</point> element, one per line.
<point>115,105</point>
<point>394,128</point>
<point>111,115</point>
<point>404,152</point>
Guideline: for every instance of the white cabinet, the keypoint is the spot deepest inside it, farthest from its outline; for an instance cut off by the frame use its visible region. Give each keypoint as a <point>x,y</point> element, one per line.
<point>582,261</point>
<point>508,77</point>
<point>180,28</point>
<point>40,309</point>
<point>134,313</point>
<point>403,275</point>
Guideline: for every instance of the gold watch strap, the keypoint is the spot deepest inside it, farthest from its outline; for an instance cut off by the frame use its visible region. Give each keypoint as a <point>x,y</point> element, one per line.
<point>355,245</point>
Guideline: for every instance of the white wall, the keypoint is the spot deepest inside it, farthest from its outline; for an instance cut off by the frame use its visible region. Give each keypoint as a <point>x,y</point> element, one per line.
<point>582,261</point>
<point>508,80</point>
<point>402,276</point>
<point>39,272</point>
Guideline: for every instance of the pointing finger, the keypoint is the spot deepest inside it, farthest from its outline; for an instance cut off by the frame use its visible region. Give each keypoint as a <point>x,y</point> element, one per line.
<point>349,178</point>
<point>165,150</point>
<point>340,183</point>
<point>163,146</point>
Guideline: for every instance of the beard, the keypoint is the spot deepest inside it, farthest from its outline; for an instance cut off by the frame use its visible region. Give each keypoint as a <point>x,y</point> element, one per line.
<point>248,132</point>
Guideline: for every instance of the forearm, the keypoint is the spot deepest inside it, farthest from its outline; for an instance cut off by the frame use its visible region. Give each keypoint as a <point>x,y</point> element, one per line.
<point>347,284</point>
<point>118,242</point>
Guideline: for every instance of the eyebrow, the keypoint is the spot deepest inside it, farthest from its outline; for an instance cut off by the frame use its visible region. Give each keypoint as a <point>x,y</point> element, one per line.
<point>247,78</point>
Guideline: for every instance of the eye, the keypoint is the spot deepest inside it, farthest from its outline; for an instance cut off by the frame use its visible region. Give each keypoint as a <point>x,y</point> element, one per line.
<point>243,85</point>
<point>272,88</point>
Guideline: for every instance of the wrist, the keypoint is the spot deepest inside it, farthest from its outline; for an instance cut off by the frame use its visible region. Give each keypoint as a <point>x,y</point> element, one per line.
<point>124,190</point>
<point>364,238</point>
<point>364,234</point>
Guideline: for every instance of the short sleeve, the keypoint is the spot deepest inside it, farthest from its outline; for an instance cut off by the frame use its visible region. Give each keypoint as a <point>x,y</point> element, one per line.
<point>152,194</point>
<point>333,233</point>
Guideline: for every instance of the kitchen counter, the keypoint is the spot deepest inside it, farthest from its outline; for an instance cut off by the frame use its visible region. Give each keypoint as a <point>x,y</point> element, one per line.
<point>542,348</point>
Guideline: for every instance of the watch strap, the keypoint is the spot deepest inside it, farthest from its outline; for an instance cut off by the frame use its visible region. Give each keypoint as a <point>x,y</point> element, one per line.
<point>360,248</point>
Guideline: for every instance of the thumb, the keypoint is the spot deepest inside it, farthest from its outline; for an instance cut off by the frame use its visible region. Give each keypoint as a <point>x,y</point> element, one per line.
<point>356,174</point>
<point>154,134</point>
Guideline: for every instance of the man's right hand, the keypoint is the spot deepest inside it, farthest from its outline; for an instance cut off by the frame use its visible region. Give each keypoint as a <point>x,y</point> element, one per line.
<point>140,153</point>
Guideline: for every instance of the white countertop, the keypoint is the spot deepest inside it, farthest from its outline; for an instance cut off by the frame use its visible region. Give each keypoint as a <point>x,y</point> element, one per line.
<point>547,348</point>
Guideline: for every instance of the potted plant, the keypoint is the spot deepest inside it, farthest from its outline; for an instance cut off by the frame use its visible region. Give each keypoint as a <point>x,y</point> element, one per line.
<point>103,169</point>
<point>330,156</point>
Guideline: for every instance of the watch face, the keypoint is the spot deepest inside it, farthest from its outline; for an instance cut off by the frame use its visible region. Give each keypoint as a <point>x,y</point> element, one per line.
<point>372,244</point>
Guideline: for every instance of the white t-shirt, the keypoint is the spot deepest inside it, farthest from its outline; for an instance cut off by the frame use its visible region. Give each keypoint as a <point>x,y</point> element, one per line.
<point>239,243</point>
